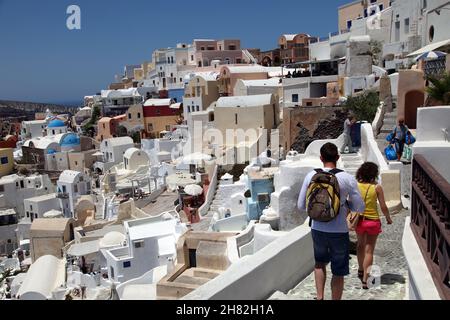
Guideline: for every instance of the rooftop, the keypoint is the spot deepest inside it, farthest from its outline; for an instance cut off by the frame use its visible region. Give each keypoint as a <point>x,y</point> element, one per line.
<point>245,101</point>
<point>43,197</point>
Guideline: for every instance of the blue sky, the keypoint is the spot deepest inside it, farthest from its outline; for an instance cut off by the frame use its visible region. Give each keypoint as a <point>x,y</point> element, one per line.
<point>42,61</point>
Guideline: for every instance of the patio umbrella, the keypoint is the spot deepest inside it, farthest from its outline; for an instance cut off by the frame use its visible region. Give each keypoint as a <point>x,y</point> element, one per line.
<point>430,55</point>
<point>193,190</point>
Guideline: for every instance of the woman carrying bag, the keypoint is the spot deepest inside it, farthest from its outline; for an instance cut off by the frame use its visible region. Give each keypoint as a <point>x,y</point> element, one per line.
<point>368,224</point>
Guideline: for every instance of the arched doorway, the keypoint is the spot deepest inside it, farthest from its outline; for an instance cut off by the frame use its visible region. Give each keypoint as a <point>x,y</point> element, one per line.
<point>413,100</point>
<point>266,61</point>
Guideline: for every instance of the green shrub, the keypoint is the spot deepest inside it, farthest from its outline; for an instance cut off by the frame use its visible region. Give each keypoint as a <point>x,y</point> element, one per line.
<point>363,106</point>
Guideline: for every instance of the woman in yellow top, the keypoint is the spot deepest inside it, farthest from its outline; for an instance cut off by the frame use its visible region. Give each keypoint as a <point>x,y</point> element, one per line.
<point>369,225</point>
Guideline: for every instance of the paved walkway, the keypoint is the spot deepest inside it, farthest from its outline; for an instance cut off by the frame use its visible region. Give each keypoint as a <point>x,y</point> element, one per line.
<point>388,256</point>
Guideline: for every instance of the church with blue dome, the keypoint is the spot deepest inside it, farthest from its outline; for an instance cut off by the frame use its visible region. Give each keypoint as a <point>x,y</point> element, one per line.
<point>56,126</point>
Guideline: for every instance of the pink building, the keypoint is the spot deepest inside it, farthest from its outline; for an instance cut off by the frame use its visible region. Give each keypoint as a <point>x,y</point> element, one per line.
<point>229,75</point>
<point>227,51</point>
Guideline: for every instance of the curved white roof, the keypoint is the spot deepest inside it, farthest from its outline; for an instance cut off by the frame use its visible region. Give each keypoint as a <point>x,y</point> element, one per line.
<point>272,82</point>
<point>45,275</point>
<point>120,93</point>
<point>244,101</point>
<point>130,152</point>
<point>246,69</point>
<point>111,239</point>
<point>45,142</point>
<point>119,141</point>
<point>68,176</point>
<point>289,37</point>
<point>157,102</point>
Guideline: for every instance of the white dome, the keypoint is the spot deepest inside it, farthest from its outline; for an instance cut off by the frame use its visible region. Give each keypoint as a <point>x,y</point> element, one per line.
<point>112,239</point>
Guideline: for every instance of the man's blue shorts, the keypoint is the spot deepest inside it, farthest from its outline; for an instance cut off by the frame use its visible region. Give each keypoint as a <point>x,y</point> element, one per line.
<point>334,248</point>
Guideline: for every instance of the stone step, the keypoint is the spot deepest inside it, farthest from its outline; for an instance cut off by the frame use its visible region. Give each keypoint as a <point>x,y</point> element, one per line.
<point>196,281</point>
<point>205,273</point>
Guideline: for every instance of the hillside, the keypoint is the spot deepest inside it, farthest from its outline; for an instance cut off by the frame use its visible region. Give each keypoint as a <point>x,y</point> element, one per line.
<point>26,110</point>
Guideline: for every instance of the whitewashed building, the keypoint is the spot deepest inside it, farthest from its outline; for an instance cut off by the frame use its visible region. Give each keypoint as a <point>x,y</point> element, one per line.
<point>70,186</point>
<point>14,189</point>
<point>151,242</point>
<point>36,207</point>
<point>113,151</point>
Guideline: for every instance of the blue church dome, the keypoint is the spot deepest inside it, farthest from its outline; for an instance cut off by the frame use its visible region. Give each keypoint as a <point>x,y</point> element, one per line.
<point>70,140</point>
<point>51,151</point>
<point>56,124</point>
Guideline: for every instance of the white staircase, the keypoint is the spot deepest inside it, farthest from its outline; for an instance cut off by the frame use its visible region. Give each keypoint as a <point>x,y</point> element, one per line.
<point>351,162</point>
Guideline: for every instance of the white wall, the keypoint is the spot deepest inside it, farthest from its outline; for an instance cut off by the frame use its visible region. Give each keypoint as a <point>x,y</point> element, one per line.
<point>431,142</point>
<point>421,284</point>
<point>279,266</point>
<point>320,51</point>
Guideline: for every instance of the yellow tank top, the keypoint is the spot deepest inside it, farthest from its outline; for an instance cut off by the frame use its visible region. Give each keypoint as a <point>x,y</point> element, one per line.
<point>369,195</point>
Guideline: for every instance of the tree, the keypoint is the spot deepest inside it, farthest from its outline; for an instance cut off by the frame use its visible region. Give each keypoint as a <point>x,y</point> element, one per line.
<point>94,118</point>
<point>363,106</point>
<point>439,89</point>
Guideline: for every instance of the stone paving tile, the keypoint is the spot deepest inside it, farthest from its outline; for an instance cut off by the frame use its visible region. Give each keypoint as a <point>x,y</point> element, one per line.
<point>388,256</point>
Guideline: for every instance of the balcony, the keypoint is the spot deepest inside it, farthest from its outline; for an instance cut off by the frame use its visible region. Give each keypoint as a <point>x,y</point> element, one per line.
<point>430,221</point>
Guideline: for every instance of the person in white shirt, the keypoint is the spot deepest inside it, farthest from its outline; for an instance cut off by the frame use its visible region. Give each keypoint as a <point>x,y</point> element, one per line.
<point>331,239</point>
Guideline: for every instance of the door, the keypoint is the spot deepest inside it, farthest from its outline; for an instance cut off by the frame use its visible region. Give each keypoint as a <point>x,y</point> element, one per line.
<point>413,101</point>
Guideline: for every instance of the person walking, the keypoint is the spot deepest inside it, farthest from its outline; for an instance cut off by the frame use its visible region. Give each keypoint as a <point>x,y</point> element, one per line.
<point>369,225</point>
<point>330,232</point>
<point>349,122</point>
<point>399,137</point>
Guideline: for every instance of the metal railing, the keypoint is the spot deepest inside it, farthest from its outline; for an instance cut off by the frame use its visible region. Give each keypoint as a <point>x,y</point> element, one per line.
<point>430,221</point>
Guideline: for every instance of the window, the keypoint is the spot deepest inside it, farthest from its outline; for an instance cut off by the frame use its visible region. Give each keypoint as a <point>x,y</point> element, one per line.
<point>407,26</point>
<point>76,163</point>
<point>81,179</point>
<point>22,184</point>
<point>36,215</point>
<point>189,109</point>
<point>295,98</point>
<point>129,116</point>
<point>64,189</point>
<point>2,188</point>
<point>127,264</point>
<point>4,160</point>
<point>31,207</point>
<point>381,7</point>
<point>28,214</point>
<point>235,118</point>
<point>139,115</point>
<point>431,33</point>
<point>198,108</point>
<point>139,244</point>
<point>111,269</point>
<point>181,79</point>
<point>192,57</point>
<point>75,188</point>
<point>349,24</point>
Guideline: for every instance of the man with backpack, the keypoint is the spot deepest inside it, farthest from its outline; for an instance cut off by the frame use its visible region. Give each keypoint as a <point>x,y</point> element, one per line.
<point>328,195</point>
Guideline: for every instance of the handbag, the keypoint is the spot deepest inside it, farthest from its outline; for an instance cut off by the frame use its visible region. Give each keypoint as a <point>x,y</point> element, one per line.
<point>353,217</point>
<point>390,153</point>
<point>407,153</point>
<point>410,139</point>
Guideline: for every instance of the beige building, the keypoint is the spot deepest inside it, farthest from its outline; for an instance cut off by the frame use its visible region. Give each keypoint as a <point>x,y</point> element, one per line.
<point>50,236</point>
<point>359,9</point>
<point>201,91</point>
<point>229,75</point>
<point>6,161</point>
<point>247,113</point>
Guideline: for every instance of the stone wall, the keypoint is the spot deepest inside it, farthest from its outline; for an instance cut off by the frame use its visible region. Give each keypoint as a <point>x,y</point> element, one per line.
<point>304,125</point>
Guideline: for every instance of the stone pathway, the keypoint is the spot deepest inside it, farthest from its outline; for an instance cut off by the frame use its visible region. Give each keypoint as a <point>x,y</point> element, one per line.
<point>388,256</point>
